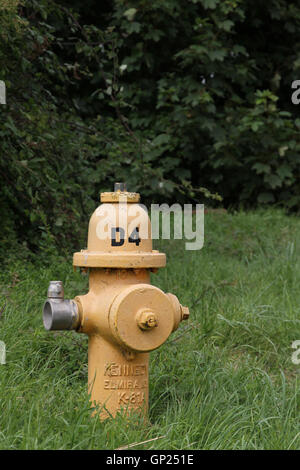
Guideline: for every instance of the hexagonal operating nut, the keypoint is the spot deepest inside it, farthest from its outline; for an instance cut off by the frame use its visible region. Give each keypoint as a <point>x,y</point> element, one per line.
<point>185,313</point>
<point>146,319</point>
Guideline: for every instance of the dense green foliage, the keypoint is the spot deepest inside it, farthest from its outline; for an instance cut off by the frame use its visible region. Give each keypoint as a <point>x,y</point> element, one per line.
<point>183,100</point>
<point>223,380</point>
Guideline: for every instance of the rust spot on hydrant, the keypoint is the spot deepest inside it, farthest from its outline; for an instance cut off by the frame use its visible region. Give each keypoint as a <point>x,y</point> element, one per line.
<point>124,316</point>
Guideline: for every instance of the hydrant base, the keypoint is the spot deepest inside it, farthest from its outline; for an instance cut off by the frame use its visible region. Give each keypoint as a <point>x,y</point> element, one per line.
<point>116,384</point>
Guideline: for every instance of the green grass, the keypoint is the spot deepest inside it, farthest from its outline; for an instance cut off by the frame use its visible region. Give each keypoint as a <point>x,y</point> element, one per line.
<point>223,380</point>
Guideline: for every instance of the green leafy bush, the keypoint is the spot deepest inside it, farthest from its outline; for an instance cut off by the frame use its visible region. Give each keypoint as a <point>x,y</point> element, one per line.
<point>183,100</point>
<point>212,79</point>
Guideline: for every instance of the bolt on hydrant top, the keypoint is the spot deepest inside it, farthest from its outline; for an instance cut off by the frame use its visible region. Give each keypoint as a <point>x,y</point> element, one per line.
<point>119,234</point>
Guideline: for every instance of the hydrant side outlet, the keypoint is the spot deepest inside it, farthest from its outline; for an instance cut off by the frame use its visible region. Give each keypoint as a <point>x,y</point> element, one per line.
<point>124,316</point>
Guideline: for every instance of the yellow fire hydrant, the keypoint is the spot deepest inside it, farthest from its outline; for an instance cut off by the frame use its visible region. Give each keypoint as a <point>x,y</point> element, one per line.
<point>124,316</point>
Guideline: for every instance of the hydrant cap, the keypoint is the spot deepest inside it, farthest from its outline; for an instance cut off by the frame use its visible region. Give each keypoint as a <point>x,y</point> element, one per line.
<point>141,318</point>
<point>120,235</point>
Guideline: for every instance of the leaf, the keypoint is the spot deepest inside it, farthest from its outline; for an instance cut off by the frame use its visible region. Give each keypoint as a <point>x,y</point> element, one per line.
<point>130,13</point>
<point>284,171</point>
<point>210,4</point>
<point>226,25</point>
<point>217,54</point>
<point>59,222</point>
<point>123,67</point>
<point>161,139</point>
<point>282,150</point>
<point>256,125</point>
<point>261,168</point>
<point>273,180</point>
